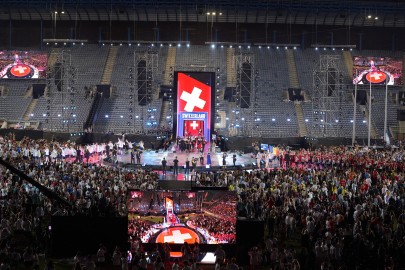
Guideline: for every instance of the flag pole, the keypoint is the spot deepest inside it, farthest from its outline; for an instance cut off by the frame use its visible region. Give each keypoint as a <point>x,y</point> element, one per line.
<point>354,111</point>
<point>385,112</point>
<point>369,116</point>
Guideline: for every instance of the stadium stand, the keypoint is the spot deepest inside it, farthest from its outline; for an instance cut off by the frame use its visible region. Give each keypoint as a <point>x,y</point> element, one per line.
<point>102,135</point>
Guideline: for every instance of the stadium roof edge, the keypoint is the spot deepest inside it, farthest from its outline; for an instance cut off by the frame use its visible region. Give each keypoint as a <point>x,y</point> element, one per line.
<point>322,12</point>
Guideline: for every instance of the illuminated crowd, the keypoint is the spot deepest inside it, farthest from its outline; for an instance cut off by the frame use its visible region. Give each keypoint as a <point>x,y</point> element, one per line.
<point>343,206</point>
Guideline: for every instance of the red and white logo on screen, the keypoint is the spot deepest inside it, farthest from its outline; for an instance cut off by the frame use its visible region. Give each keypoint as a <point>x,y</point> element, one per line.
<point>194,96</point>
<point>20,70</point>
<point>177,235</point>
<point>376,76</point>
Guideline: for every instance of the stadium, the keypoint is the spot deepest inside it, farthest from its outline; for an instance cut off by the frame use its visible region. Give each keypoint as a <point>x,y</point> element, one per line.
<point>220,134</point>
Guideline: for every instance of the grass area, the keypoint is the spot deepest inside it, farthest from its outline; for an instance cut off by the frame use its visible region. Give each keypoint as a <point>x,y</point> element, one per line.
<point>154,219</point>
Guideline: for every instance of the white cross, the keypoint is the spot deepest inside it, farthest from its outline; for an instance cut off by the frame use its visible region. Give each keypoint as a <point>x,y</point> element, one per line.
<point>375,75</point>
<point>194,125</point>
<point>20,69</point>
<point>177,237</point>
<point>193,99</point>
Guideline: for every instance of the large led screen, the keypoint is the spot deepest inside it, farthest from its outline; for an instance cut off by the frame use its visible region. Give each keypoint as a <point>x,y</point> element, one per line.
<point>377,70</point>
<point>195,104</point>
<point>23,64</point>
<point>175,217</point>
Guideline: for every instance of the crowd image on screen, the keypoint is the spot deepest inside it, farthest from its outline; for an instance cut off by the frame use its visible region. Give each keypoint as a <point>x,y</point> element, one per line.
<point>137,228</point>
<point>223,231</point>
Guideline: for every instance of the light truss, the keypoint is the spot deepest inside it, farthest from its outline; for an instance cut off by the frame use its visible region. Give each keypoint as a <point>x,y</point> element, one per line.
<point>327,98</point>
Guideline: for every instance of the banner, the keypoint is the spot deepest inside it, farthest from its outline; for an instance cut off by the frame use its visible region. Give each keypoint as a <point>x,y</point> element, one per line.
<point>194,105</point>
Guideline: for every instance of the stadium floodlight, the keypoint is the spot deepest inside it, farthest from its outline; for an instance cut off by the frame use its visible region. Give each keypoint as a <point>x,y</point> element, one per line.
<point>63,41</point>
<point>332,47</point>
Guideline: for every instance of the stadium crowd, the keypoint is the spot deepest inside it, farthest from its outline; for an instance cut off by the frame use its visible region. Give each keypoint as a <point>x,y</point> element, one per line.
<point>343,206</point>
<point>92,189</point>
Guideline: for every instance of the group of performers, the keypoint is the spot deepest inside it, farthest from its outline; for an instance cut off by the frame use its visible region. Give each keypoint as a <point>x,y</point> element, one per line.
<point>190,143</point>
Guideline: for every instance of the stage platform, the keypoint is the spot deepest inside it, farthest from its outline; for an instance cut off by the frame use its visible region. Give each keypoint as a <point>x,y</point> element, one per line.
<point>152,160</point>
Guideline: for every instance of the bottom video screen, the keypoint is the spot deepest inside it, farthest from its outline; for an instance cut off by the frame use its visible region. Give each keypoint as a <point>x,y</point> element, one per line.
<point>178,217</point>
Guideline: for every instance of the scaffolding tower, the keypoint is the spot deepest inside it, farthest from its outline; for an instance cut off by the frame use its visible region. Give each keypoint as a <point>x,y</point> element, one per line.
<point>61,104</point>
<point>143,89</point>
<point>327,98</point>
<point>243,119</point>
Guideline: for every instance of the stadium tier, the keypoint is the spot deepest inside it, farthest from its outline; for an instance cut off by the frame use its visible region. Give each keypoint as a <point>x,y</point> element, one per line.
<point>67,101</point>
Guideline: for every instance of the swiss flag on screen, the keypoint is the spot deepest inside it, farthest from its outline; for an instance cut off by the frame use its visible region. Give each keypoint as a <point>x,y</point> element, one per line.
<point>193,127</point>
<point>193,95</point>
<point>376,77</point>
